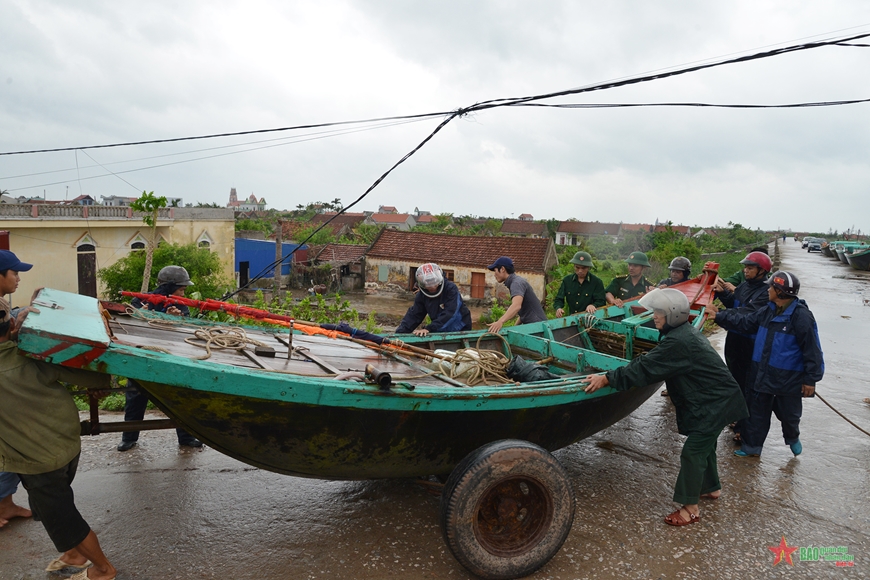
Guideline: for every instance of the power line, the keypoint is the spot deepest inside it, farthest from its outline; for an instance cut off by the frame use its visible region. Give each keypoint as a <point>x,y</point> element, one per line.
<point>518,101</point>
<point>235,134</point>
<point>716,105</point>
<point>295,139</point>
<point>293,142</point>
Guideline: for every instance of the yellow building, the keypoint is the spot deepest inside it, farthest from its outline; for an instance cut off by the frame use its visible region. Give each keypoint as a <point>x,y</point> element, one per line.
<point>67,244</point>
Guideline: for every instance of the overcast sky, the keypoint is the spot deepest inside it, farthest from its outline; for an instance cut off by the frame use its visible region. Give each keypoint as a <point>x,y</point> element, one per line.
<point>90,72</point>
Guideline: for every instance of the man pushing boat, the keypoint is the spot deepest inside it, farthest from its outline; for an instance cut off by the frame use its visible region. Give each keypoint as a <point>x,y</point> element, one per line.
<point>704,393</point>
<point>440,300</point>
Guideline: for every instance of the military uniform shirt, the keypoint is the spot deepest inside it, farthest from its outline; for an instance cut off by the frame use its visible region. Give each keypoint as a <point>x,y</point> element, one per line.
<point>576,297</point>
<point>622,288</point>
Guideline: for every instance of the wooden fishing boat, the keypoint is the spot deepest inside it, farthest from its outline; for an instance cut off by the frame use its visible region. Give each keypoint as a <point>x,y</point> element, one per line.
<point>859,258</point>
<point>302,403</point>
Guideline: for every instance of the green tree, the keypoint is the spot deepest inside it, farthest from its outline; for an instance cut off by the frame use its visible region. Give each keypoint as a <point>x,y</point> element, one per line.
<point>204,267</point>
<point>150,205</point>
<point>324,236</point>
<point>364,235</point>
<point>260,225</point>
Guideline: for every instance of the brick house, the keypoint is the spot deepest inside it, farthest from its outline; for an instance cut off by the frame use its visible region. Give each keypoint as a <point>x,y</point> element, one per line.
<point>393,258</point>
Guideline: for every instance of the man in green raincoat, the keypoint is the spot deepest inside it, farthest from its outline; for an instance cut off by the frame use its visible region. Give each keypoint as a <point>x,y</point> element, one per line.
<point>704,393</point>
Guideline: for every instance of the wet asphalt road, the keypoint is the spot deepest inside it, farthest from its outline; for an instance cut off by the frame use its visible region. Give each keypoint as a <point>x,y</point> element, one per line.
<point>162,512</point>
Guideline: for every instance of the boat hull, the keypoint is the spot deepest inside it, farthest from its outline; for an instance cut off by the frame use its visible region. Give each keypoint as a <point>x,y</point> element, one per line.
<point>334,442</point>
<point>859,260</point>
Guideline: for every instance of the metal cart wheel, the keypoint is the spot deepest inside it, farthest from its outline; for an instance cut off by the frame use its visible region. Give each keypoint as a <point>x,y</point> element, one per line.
<point>506,509</point>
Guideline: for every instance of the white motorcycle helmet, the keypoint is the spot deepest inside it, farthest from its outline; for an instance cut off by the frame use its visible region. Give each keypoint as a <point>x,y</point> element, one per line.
<point>672,302</point>
<point>430,276</point>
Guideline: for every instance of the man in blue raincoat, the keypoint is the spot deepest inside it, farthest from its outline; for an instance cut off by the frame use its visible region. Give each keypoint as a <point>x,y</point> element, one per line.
<point>440,299</point>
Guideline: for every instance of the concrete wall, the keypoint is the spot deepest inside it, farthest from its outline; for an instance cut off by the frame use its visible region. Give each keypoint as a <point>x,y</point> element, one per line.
<point>50,242</point>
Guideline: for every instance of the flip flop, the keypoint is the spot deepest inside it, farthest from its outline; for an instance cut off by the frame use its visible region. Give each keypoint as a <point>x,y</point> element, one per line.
<point>83,575</point>
<point>677,519</point>
<point>58,564</point>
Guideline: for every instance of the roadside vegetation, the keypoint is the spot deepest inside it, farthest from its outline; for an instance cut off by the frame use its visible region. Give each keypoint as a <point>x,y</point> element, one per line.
<point>203,265</point>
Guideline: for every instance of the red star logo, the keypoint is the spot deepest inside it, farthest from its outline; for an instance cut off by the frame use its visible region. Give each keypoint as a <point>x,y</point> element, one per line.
<point>782,550</point>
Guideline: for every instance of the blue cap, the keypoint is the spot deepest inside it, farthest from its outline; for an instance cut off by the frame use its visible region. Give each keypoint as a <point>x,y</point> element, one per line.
<point>9,261</point>
<point>503,261</point>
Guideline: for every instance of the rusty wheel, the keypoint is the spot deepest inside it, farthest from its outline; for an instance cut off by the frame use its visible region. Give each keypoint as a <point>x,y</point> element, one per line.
<point>506,509</point>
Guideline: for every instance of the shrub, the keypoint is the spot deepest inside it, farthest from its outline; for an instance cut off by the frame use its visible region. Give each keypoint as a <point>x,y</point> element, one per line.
<point>204,267</point>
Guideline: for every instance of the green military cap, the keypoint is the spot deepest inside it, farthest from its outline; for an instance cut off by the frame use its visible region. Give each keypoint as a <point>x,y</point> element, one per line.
<point>582,259</point>
<point>638,258</point>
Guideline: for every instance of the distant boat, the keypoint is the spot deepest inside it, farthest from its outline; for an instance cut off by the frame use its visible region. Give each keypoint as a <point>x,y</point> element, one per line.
<point>859,259</point>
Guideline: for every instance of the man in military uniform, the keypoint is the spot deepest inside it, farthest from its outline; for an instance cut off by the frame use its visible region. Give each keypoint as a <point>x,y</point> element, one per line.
<point>581,291</point>
<point>635,284</point>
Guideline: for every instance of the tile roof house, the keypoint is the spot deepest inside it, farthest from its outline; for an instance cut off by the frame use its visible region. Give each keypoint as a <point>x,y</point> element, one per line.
<point>684,230</point>
<point>341,225</point>
<point>571,232</point>
<point>524,228</point>
<point>396,221</point>
<point>347,262</point>
<point>340,254</point>
<point>394,256</point>
<point>527,217</point>
<point>635,228</point>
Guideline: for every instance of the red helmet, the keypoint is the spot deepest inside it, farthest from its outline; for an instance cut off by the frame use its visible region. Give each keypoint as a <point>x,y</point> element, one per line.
<point>759,259</point>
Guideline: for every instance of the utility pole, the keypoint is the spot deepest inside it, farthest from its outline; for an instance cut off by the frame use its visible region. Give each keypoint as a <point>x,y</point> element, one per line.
<point>279,254</point>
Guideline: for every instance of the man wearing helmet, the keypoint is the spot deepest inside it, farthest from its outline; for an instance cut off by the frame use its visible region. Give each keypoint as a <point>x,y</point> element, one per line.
<point>748,296</point>
<point>171,281</point>
<point>440,299</point>
<point>635,284</point>
<point>738,277</point>
<point>680,268</point>
<point>787,362</point>
<point>705,395</point>
<point>581,291</point>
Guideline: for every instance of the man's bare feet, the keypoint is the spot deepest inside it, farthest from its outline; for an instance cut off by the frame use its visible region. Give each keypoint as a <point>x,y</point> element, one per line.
<point>9,510</point>
<point>3,522</point>
<point>712,494</point>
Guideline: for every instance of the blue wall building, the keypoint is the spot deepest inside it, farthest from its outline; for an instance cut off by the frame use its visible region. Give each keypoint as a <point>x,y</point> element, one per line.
<point>252,256</point>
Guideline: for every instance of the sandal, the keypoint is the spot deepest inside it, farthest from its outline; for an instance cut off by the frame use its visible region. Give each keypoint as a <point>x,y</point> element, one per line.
<point>677,519</point>
<point>709,496</point>
<point>737,438</point>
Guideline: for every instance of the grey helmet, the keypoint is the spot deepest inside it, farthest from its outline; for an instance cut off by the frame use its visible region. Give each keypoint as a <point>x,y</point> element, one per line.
<point>680,263</point>
<point>174,275</point>
<point>672,302</point>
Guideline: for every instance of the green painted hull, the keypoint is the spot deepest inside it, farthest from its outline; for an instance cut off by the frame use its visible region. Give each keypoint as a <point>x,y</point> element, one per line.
<point>326,428</point>
<point>349,442</point>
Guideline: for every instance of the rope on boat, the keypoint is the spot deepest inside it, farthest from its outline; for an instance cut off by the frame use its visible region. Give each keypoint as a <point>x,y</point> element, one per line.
<point>221,339</point>
<point>478,366</point>
<point>843,416</point>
